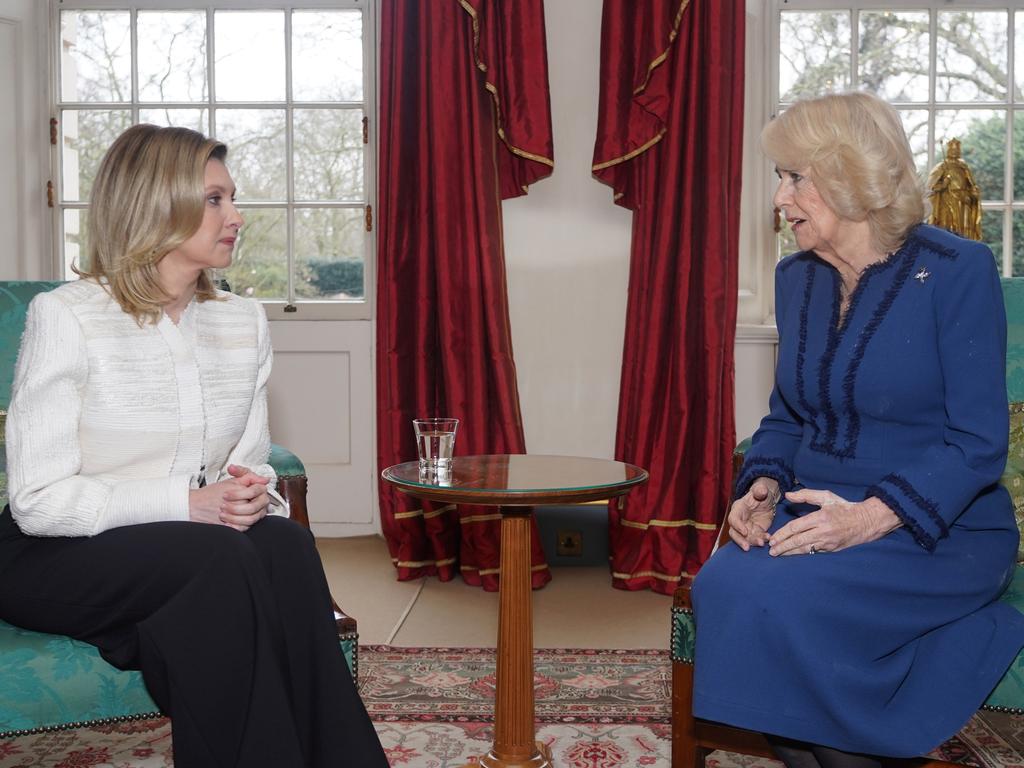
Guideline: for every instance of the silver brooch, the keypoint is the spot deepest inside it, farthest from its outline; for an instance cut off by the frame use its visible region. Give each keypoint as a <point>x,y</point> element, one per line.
<point>923,275</point>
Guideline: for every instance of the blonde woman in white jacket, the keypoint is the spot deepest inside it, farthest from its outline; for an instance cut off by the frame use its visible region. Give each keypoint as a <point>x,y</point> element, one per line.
<point>142,517</point>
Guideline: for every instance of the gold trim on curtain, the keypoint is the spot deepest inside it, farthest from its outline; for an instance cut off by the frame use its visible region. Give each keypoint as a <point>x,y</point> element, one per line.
<point>422,563</point>
<point>655,63</point>
<point>497,571</point>
<point>668,524</point>
<point>426,515</point>
<point>495,96</point>
<point>658,60</point>
<point>648,574</point>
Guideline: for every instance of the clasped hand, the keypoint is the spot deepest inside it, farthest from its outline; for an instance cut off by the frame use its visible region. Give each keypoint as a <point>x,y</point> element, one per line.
<point>239,501</point>
<point>836,524</point>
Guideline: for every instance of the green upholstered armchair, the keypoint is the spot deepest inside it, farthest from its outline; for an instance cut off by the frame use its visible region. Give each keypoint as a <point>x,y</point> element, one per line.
<point>692,739</point>
<point>49,682</point>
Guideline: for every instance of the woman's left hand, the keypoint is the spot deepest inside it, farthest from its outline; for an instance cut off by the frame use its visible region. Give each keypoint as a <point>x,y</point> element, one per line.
<point>248,502</point>
<point>835,525</point>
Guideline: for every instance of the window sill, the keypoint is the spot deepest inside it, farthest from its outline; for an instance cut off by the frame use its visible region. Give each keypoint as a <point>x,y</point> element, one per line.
<point>317,310</point>
<point>765,333</point>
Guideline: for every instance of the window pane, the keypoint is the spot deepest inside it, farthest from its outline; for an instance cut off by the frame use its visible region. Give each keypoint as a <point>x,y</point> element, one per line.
<point>786,241</point>
<point>971,56</point>
<point>982,134</point>
<point>915,124</point>
<point>328,154</point>
<point>259,266</point>
<point>1018,243</point>
<point>814,53</point>
<point>1018,155</point>
<point>290,109</point>
<point>256,151</point>
<point>249,50</point>
<point>75,220</point>
<point>196,119</point>
<point>893,54</point>
<point>172,56</point>
<point>329,253</point>
<point>96,56</point>
<point>85,136</point>
<point>327,55</point>
<point>992,233</point>
<point>1018,61</point>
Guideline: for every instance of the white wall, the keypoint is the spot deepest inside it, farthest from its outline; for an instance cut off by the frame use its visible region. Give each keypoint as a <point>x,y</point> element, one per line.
<point>25,251</point>
<point>567,254</point>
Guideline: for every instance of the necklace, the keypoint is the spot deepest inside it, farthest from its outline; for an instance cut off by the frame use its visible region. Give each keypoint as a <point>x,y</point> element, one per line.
<point>846,290</point>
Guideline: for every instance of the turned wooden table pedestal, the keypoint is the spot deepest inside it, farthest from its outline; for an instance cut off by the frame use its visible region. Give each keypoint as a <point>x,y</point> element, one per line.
<point>514,484</point>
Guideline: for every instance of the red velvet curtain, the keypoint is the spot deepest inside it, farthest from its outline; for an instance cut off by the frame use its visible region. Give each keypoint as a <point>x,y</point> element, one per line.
<point>464,121</point>
<point>669,143</point>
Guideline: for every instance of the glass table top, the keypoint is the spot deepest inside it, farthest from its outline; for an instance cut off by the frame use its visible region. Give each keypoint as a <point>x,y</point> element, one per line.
<point>520,479</point>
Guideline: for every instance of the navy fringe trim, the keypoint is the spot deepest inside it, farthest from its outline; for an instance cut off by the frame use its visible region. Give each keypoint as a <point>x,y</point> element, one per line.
<point>758,466</point>
<point>921,536</point>
<point>931,245</point>
<point>824,370</point>
<point>930,508</point>
<point>836,332</point>
<point>850,377</point>
<point>801,354</point>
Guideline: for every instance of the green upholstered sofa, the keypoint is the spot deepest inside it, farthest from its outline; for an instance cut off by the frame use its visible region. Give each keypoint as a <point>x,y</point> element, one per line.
<point>49,682</point>
<point>692,739</point>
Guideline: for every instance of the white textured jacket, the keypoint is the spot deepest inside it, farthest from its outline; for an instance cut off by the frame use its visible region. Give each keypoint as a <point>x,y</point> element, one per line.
<point>111,424</point>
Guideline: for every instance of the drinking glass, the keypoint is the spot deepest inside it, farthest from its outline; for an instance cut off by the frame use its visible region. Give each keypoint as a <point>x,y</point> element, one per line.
<point>435,439</point>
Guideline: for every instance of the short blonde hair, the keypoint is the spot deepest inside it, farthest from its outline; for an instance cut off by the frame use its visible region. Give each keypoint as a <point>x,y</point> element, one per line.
<point>858,157</point>
<point>147,199</point>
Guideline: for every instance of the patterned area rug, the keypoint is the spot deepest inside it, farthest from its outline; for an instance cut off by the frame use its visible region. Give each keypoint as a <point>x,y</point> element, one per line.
<point>572,686</point>
<point>989,740</point>
<point>433,708</point>
<point>595,709</point>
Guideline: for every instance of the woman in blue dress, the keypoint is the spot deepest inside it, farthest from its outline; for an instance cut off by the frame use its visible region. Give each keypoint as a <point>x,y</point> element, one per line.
<point>855,612</point>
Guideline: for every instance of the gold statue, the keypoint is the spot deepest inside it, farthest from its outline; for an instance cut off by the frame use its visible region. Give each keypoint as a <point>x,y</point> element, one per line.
<point>954,195</point>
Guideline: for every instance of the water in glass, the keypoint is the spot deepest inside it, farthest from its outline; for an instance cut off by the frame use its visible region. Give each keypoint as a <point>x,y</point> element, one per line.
<point>435,440</point>
<point>435,449</point>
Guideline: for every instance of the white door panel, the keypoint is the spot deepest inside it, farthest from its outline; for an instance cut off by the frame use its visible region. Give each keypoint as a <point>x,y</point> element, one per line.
<point>321,408</point>
<point>24,236</point>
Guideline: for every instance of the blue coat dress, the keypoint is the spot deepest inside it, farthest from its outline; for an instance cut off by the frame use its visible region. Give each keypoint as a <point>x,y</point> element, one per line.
<point>886,648</point>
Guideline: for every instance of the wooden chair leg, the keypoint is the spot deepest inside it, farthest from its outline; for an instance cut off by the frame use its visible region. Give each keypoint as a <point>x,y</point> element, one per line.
<point>693,739</point>
<point>685,752</point>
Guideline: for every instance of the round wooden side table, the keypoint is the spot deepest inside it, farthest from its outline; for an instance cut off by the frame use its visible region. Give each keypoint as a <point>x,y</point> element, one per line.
<point>515,483</point>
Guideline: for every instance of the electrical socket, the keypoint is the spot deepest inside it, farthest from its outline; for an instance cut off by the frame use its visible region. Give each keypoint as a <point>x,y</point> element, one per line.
<point>570,544</point>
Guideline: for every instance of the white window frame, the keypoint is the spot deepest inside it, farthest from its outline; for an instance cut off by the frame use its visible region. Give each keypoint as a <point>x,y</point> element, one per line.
<point>757,241</point>
<point>755,306</point>
<point>277,309</point>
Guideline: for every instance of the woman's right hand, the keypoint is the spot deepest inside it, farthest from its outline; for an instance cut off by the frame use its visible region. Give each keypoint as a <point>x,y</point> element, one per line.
<point>238,502</point>
<point>751,515</point>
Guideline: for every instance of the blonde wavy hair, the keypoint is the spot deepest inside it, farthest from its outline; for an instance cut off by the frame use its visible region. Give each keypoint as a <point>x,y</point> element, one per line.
<point>858,157</point>
<point>147,199</point>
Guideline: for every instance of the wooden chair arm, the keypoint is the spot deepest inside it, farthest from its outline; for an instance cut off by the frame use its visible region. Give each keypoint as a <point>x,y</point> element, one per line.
<point>346,623</point>
<point>681,597</point>
<point>293,490</point>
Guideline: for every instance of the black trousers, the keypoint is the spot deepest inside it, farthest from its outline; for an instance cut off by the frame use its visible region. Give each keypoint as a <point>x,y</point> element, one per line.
<point>233,633</point>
